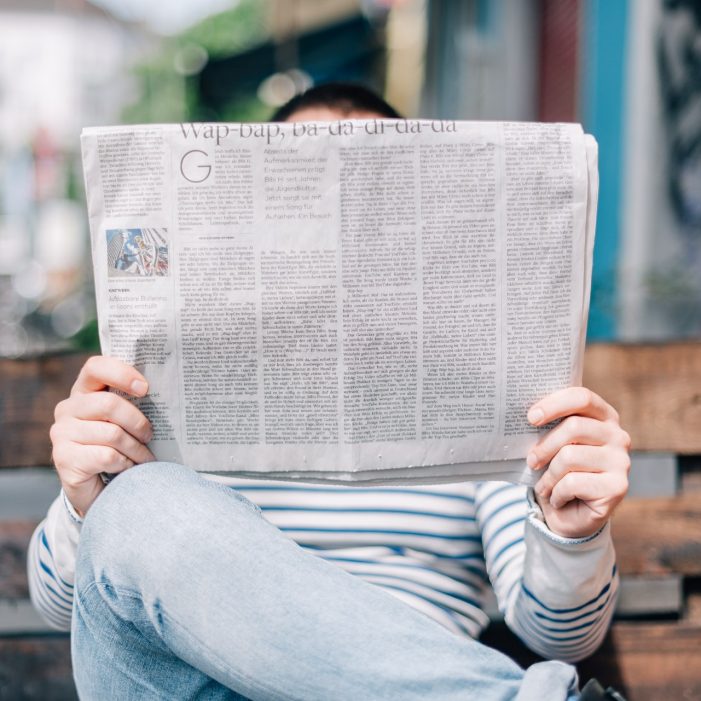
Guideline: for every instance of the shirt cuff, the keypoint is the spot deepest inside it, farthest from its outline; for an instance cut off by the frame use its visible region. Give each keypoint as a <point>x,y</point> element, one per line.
<point>537,519</point>
<point>72,513</point>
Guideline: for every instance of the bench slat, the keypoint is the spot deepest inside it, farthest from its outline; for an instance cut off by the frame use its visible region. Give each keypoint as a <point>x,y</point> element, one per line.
<point>659,536</point>
<point>656,390</point>
<point>29,391</point>
<point>644,661</point>
<point>36,669</point>
<point>668,419</point>
<point>650,661</point>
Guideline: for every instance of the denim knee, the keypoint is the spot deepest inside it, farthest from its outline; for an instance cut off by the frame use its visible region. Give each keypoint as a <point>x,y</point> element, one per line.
<point>149,515</point>
<point>130,508</point>
<point>137,490</point>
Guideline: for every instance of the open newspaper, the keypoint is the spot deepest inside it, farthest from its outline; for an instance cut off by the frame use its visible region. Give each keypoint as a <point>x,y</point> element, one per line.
<point>346,301</point>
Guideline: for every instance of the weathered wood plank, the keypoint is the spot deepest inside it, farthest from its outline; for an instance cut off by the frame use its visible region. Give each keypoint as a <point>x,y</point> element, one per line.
<point>36,669</point>
<point>653,475</point>
<point>29,391</point>
<point>14,538</point>
<point>19,617</point>
<point>645,597</point>
<point>27,492</point>
<point>647,662</point>
<point>659,536</point>
<point>644,661</point>
<point>650,661</point>
<point>638,597</point>
<point>655,388</point>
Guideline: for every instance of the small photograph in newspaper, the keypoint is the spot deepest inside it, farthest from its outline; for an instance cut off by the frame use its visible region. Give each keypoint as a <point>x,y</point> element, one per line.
<point>137,252</point>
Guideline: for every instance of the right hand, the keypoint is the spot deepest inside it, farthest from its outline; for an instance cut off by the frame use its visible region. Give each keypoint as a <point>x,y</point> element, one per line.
<point>99,431</point>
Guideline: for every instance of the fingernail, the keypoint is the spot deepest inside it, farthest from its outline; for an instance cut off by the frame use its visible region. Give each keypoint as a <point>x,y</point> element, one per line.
<point>532,460</point>
<point>139,387</point>
<point>535,416</point>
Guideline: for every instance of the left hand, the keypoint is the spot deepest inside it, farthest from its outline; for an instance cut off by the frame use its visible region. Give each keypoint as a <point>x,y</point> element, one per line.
<point>585,461</point>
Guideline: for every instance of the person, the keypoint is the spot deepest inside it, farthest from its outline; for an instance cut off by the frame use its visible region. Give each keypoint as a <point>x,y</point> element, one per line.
<point>181,585</point>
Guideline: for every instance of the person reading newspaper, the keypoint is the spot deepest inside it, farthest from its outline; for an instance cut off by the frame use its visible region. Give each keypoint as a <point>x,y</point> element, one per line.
<point>182,585</point>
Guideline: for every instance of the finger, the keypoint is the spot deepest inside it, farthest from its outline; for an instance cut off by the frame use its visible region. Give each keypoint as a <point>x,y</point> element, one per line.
<point>110,435</point>
<point>106,406</point>
<point>101,372</point>
<point>602,492</point>
<point>572,400</point>
<point>572,458</point>
<point>572,430</point>
<point>74,460</point>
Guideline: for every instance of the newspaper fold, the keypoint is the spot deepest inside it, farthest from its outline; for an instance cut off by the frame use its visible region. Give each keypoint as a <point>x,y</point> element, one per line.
<point>350,301</point>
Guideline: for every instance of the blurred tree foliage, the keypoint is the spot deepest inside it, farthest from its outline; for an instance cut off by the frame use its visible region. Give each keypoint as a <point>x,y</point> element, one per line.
<point>167,84</point>
<point>87,339</point>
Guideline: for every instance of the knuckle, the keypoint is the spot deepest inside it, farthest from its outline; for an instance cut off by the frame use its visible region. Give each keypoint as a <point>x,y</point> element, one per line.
<point>626,439</point>
<point>92,364</point>
<point>60,409</point>
<point>112,433</point>
<point>57,455</point>
<point>107,402</point>
<point>117,460</point>
<point>626,464</point>
<point>620,486</point>
<point>143,425</point>
<point>585,397</point>
<point>574,425</point>
<point>106,457</point>
<point>568,453</point>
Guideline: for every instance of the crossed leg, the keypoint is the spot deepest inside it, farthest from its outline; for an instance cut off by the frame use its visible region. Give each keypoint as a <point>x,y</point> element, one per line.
<point>184,591</point>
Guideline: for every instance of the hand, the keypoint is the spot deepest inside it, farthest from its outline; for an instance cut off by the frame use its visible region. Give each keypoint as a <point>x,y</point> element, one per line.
<point>98,431</point>
<point>585,461</point>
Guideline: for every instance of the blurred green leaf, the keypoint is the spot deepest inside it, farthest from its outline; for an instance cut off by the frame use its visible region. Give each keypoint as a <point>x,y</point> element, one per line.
<point>166,95</point>
<point>87,339</point>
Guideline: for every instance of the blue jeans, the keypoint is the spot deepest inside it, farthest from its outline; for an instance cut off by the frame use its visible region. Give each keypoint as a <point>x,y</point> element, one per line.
<point>184,591</point>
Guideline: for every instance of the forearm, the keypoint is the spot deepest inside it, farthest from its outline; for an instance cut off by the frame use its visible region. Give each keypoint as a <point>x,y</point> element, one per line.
<point>565,602</point>
<point>51,563</point>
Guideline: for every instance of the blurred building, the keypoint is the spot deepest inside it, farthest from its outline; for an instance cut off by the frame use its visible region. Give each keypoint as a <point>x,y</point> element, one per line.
<point>629,71</point>
<point>63,65</point>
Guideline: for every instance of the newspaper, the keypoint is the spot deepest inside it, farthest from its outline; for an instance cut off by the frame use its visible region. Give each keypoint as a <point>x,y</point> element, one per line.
<point>349,301</point>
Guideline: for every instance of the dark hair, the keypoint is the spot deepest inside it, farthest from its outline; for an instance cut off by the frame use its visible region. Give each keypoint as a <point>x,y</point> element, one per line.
<point>344,97</point>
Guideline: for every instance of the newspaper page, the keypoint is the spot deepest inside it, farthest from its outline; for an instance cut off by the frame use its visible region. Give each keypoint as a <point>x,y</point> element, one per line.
<point>348,301</point>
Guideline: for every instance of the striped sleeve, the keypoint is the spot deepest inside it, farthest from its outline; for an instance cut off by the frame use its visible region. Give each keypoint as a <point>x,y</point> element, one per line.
<point>51,563</point>
<point>557,594</point>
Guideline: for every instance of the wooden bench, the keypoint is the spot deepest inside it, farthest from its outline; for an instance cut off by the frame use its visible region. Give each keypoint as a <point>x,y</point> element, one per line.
<point>653,651</point>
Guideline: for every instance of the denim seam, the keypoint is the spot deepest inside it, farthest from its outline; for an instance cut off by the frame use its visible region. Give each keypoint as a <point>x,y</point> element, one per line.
<point>231,491</point>
<point>128,594</point>
<point>95,584</point>
<point>216,658</point>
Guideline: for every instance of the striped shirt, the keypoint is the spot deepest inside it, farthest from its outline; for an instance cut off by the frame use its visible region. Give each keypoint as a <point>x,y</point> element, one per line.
<point>438,548</point>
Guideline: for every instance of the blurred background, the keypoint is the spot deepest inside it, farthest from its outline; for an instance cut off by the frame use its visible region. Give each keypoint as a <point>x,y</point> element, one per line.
<point>630,71</point>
